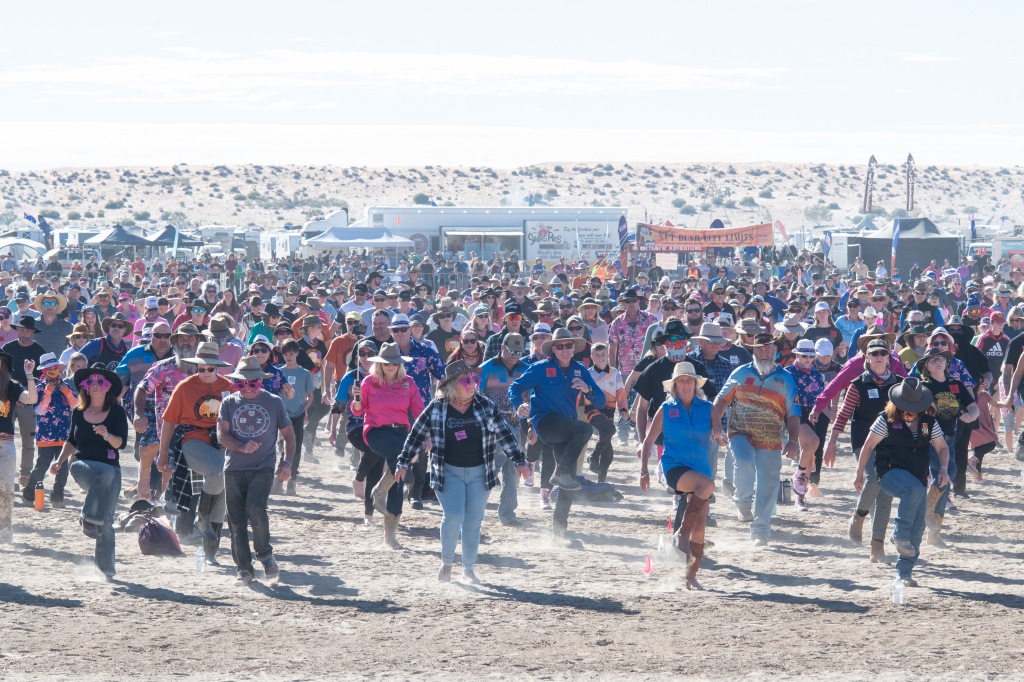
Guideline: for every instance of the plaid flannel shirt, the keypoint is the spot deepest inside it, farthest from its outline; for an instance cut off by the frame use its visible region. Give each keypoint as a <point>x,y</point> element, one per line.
<point>430,424</point>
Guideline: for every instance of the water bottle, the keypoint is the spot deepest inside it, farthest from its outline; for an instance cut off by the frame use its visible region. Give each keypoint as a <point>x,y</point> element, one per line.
<point>40,500</point>
<point>897,591</point>
<point>200,559</point>
<point>1022,480</point>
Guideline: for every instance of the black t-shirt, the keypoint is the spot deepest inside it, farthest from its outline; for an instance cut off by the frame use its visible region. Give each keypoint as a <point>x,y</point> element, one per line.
<point>650,387</point>
<point>736,355</point>
<point>7,403</point>
<point>1012,357</point>
<point>950,399</point>
<point>463,437</point>
<point>20,354</point>
<point>89,445</point>
<point>312,356</point>
<point>446,342</point>
<point>645,362</point>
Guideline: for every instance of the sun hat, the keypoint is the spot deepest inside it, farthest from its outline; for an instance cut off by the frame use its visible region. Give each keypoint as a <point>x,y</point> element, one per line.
<point>791,324</point>
<point>683,369</point>
<point>62,301</point>
<point>84,373</point>
<point>220,329</point>
<point>455,370</point>
<point>762,339</point>
<point>186,329</point>
<point>399,320</point>
<point>911,395</point>
<point>259,338</point>
<point>207,353</point>
<point>48,360</point>
<point>749,327</point>
<point>29,322</point>
<point>80,328</point>
<point>875,332</point>
<point>805,347</point>
<point>248,369</point>
<point>563,334</point>
<point>919,366</point>
<point>311,321</point>
<point>711,331</point>
<point>390,354</point>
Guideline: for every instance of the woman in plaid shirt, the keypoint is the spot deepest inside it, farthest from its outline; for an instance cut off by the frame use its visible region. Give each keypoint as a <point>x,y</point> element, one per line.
<point>463,429</point>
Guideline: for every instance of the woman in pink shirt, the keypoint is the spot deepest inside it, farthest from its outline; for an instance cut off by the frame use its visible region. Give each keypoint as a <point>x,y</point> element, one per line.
<point>388,401</point>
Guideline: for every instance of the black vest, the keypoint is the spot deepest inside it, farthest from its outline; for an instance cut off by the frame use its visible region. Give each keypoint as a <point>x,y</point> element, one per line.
<point>900,450</point>
<point>873,399</point>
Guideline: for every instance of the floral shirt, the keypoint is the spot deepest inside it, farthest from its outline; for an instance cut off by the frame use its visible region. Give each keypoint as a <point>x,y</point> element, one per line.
<point>629,337</point>
<point>425,362</point>
<point>276,381</point>
<point>53,413</point>
<point>809,384</point>
<point>160,381</point>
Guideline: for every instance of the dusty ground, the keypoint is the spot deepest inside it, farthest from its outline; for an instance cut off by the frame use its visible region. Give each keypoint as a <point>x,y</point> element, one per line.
<point>810,605</point>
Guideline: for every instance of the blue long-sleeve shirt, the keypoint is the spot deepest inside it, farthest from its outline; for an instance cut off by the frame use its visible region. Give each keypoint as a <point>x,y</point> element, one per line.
<point>551,391</point>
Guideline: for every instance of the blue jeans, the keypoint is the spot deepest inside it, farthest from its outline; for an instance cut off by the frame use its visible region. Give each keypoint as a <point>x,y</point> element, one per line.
<point>508,502</point>
<point>462,500</point>
<point>909,523</point>
<point>933,467</point>
<point>756,478</point>
<point>102,485</point>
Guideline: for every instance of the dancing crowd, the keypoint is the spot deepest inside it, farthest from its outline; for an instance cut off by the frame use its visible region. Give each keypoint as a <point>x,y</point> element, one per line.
<point>446,377</point>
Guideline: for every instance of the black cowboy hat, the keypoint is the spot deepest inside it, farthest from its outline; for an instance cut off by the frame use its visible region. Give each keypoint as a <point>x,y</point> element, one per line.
<point>84,373</point>
<point>26,322</point>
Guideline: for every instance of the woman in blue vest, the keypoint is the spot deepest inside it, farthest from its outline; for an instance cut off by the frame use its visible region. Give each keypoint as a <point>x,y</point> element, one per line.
<point>902,438</point>
<point>685,419</point>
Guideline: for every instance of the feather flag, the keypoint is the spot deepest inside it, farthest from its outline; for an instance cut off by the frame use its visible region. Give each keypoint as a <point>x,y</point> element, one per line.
<point>782,230</point>
<point>895,243</point>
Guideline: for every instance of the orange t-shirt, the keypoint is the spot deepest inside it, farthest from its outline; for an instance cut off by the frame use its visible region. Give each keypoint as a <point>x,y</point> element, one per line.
<point>336,354</point>
<point>196,404</point>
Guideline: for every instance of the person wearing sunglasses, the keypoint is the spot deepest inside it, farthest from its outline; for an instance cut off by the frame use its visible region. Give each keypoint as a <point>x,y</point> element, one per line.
<point>188,443</point>
<point>464,430</point>
<point>514,323</point>
<point>57,398</point>
<point>469,350</point>
<point>53,330</point>
<point>445,337</point>
<point>249,423</point>
<point>369,467</point>
<point>481,325</point>
<point>98,431</point>
<point>554,387</point>
<point>7,332</point>
<point>907,441</point>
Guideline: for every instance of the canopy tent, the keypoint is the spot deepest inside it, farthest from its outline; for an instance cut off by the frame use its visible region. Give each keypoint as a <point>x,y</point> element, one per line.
<point>867,224</point>
<point>22,248</point>
<point>117,236</point>
<point>921,241</point>
<point>358,237</point>
<point>166,238</point>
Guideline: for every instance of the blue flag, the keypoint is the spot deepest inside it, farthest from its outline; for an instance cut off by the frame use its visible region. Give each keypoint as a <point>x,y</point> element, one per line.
<point>31,219</point>
<point>895,242</point>
<point>623,232</point>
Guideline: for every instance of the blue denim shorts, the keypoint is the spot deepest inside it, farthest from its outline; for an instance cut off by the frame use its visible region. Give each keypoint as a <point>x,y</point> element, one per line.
<point>149,436</point>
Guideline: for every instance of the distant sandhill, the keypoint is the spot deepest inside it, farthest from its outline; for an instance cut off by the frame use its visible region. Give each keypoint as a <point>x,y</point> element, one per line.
<point>800,195</point>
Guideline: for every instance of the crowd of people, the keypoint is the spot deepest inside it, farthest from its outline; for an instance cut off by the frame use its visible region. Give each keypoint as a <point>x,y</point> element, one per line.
<point>449,377</point>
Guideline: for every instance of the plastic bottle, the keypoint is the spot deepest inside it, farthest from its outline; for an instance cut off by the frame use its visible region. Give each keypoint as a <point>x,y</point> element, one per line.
<point>897,592</point>
<point>200,559</point>
<point>1022,480</point>
<point>40,501</point>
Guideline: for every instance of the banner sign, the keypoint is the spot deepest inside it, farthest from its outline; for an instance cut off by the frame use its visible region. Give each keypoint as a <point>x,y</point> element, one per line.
<point>661,238</point>
<point>571,239</point>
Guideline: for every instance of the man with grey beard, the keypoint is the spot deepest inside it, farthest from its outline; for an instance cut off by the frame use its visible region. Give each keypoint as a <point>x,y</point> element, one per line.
<point>763,401</point>
<point>151,398</point>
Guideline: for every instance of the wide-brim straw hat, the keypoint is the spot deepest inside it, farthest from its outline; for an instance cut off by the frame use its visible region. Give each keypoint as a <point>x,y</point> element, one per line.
<point>248,369</point>
<point>390,354</point>
<point>911,395</point>
<point>874,332</point>
<point>62,300</point>
<point>711,331</point>
<point>790,323</point>
<point>562,334</point>
<point>683,369</point>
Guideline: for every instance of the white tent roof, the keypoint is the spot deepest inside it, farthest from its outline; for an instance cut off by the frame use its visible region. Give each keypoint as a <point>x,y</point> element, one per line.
<point>359,237</point>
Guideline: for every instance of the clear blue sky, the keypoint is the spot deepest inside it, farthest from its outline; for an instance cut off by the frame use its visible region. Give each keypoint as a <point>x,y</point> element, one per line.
<point>505,84</point>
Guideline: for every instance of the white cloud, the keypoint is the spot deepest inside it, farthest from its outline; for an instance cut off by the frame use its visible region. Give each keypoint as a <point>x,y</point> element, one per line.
<point>926,57</point>
<point>191,75</point>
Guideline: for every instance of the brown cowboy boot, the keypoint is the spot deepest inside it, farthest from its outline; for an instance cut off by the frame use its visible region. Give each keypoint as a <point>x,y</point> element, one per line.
<point>693,564</point>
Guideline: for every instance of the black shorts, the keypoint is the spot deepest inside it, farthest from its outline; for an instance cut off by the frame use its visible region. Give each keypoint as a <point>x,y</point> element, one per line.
<point>805,412</point>
<point>673,475</point>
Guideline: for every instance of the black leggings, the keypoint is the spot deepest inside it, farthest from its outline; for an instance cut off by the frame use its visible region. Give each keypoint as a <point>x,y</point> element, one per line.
<point>960,447</point>
<point>820,429</point>
<point>370,470</point>
<point>298,424</point>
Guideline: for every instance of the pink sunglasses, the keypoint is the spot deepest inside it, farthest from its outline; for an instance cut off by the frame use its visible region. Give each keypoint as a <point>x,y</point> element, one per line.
<point>241,384</point>
<point>95,380</point>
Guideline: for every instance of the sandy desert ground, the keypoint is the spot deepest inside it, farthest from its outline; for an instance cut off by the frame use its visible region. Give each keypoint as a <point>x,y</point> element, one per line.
<point>810,605</point>
<point>272,196</point>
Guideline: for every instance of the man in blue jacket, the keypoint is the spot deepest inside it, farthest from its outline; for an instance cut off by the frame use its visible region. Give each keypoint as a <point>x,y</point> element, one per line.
<point>554,386</point>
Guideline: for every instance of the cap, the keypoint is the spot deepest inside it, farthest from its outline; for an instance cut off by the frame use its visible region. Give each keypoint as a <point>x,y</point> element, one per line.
<point>823,347</point>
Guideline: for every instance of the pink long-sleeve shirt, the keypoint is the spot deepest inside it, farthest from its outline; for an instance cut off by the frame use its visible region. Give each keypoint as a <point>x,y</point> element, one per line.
<point>384,405</point>
<point>853,368</point>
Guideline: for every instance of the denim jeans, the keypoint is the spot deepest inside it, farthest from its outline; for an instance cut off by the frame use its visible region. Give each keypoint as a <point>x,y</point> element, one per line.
<point>47,455</point>
<point>462,501</point>
<point>247,493</point>
<point>387,442</point>
<point>8,477</point>
<point>208,461</point>
<point>875,500</point>
<point>909,523</point>
<point>567,438</point>
<point>756,478</point>
<point>508,502</point>
<point>933,468</point>
<point>102,485</point>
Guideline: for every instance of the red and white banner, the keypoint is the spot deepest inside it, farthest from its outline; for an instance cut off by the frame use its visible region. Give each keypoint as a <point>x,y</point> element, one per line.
<point>655,238</point>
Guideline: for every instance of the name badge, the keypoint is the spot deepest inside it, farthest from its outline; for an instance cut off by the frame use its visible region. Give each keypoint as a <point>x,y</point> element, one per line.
<point>897,426</point>
<point>749,381</point>
<point>673,414</point>
<point>291,380</point>
<point>552,372</point>
<point>733,360</point>
<point>460,435</point>
<point>111,453</point>
<point>577,374</point>
<point>872,392</point>
<point>954,389</point>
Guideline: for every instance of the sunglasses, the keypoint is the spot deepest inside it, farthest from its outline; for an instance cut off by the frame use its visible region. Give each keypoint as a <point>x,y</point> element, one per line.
<point>203,370</point>
<point>379,300</point>
<point>399,330</point>
<point>670,308</point>
<point>261,351</point>
<point>444,316</point>
<point>576,329</point>
<point>366,353</point>
<point>565,307</point>
<point>513,316</point>
<point>5,317</point>
<point>693,310</point>
<point>939,344</point>
<point>485,316</point>
<point>473,340</point>
<point>117,325</point>
<point>198,310</point>
<point>878,354</point>
<point>563,346</point>
<point>95,380</point>
<point>470,379</point>
<point>76,336</point>
<point>49,304</point>
<point>162,335</point>
<point>242,384</point>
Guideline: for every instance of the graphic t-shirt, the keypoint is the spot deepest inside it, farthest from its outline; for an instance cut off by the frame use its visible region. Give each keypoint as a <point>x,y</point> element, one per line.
<point>7,403</point>
<point>196,404</point>
<point>446,342</point>
<point>257,420</point>
<point>302,381</point>
<point>950,398</point>
<point>463,437</point>
<point>311,358</point>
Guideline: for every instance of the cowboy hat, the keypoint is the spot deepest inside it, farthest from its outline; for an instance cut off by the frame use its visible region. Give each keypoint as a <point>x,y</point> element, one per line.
<point>79,329</point>
<point>28,322</point>
<point>389,353</point>
<point>748,327</point>
<point>84,373</point>
<point>248,369</point>
<point>186,329</point>
<point>311,321</point>
<point>875,331</point>
<point>589,302</point>
<point>762,339</point>
<point>916,330</point>
<point>711,331</point>
<point>220,329</point>
<point>455,370</point>
<point>207,353</point>
<point>911,395</point>
<point>683,369</point>
<point>563,334</point>
<point>62,301</point>
<point>791,324</point>
<point>919,366</point>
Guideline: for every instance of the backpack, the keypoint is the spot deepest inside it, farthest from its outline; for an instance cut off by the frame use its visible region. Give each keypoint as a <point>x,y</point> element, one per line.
<point>157,538</point>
